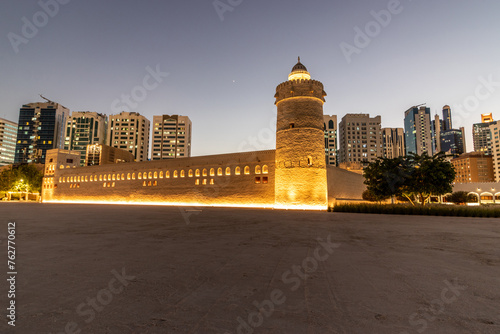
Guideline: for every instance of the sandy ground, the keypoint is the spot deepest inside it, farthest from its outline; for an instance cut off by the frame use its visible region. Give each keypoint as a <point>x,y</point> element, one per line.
<point>131,269</point>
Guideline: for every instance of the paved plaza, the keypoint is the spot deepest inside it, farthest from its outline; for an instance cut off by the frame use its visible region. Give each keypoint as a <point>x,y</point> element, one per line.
<point>147,269</point>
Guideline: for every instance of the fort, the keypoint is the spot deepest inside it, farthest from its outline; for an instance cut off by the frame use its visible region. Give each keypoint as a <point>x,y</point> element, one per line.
<point>294,176</point>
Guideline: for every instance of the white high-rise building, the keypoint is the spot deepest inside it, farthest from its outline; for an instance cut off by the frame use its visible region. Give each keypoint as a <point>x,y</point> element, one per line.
<point>129,131</point>
<point>495,148</point>
<point>171,137</point>
<point>393,142</point>
<point>360,139</point>
<point>330,124</point>
<point>8,136</point>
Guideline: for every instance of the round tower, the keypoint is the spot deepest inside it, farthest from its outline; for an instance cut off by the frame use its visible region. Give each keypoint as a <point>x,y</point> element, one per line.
<point>300,143</point>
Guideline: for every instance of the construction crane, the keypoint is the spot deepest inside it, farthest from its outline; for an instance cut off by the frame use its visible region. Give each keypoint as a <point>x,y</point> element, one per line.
<point>46,99</point>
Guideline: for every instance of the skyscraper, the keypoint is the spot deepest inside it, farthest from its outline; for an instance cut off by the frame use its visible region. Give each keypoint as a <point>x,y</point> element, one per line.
<point>330,124</point>
<point>481,135</point>
<point>452,142</point>
<point>418,131</point>
<point>447,124</point>
<point>129,131</point>
<point>393,140</point>
<point>85,128</point>
<point>41,127</point>
<point>8,135</point>
<point>171,137</point>
<point>360,139</point>
<point>495,148</point>
<point>437,126</point>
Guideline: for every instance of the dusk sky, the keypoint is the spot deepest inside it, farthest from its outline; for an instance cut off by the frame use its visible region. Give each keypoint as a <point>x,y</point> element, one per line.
<point>223,67</point>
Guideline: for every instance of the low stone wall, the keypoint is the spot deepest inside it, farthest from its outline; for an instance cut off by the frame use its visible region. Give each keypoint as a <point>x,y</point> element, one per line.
<point>344,186</point>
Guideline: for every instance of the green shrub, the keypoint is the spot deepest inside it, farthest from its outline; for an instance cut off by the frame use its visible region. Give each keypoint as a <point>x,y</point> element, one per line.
<point>431,210</point>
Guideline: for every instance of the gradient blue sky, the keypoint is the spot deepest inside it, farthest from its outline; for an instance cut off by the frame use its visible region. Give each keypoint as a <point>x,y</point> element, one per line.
<point>223,74</point>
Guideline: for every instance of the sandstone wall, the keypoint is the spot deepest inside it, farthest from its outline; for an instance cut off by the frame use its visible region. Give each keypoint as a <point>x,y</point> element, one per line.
<point>344,185</point>
<point>241,179</point>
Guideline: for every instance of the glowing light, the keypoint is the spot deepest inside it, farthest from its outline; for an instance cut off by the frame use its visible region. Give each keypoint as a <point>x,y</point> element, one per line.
<point>221,205</point>
<point>299,75</point>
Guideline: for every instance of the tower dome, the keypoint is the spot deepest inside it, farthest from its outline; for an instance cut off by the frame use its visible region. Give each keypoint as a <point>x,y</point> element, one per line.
<point>299,72</point>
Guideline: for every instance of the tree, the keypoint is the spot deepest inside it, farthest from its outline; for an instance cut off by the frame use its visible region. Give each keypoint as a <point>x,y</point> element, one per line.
<point>414,175</point>
<point>24,178</point>
<point>431,175</point>
<point>387,177</point>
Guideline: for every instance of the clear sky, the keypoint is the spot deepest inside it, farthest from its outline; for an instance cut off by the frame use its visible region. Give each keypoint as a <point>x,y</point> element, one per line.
<point>223,64</point>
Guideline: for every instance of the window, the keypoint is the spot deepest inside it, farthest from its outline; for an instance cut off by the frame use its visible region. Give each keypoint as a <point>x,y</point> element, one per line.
<point>265,180</point>
<point>265,169</point>
<point>247,170</point>
<point>228,171</point>
<point>114,177</point>
<point>175,174</point>
<point>183,174</point>
<point>197,173</point>
<point>155,175</point>
<point>133,176</point>
<point>204,182</point>
<point>145,175</point>
<point>204,172</point>
<point>95,178</point>
<point>237,171</point>
<point>257,179</point>
<point>212,172</point>
<point>161,174</point>
<point>258,170</point>
<point>309,161</point>
<point>219,171</point>
<point>197,182</point>
<point>292,125</point>
<point>212,181</point>
<point>105,177</point>
<point>155,183</point>
<point>139,176</point>
<point>190,173</point>
<point>128,176</point>
<point>167,174</point>
<point>150,175</point>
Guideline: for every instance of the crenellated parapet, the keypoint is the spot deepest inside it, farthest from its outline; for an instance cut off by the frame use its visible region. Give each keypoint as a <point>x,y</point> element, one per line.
<point>297,88</point>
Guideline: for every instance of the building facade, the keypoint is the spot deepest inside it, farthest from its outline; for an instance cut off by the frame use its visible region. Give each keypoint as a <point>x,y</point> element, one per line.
<point>360,139</point>
<point>294,176</point>
<point>8,136</point>
<point>330,126</point>
<point>41,127</point>
<point>129,131</point>
<point>481,135</point>
<point>419,134</point>
<point>393,141</point>
<point>437,128</point>
<point>452,142</point>
<point>447,123</point>
<point>85,128</point>
<point>171,137</point>
<point>473,167</point>
<point>495,148</point>
<point>100,154</point>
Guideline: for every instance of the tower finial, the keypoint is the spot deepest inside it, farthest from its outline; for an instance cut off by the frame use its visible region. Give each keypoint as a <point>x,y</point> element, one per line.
<point>299,59</point>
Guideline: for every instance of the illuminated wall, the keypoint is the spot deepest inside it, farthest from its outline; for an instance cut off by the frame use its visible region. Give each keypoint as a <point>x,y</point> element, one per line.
<point>241,179</point>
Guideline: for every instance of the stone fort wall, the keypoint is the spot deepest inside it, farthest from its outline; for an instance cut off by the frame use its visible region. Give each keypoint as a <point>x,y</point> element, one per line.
<point>239,179</point>
<point>344,186</point>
